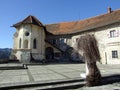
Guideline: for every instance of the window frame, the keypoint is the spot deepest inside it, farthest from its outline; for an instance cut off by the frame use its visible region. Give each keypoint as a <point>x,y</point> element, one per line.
<point>34,43</point>
<point>20,43</point>
<point>27,33</point>
<point>113,33</point>
<point>114,54</point>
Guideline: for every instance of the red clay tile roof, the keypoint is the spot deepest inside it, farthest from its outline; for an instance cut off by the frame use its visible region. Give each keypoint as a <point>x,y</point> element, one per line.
<point>29,20</point>
<point>84,25</point>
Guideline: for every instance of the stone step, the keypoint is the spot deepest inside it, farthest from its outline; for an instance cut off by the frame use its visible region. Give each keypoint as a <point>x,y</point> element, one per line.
<point>57,84</point>
<point>13,67</point>
<point>45,85</point>
<point>62,86</point>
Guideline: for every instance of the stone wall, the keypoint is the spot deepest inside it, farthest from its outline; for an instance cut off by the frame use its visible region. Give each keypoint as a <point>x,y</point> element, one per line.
<point>106,44</point>
<point>27,33</point>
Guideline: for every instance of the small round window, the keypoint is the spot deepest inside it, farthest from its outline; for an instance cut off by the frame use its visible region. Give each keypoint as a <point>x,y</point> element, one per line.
<point>27,34</point>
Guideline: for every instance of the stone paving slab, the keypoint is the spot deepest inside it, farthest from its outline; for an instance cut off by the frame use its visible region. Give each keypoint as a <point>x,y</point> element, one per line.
<point>13,76</point>
<point>52,72</point>
<point>47,77</point>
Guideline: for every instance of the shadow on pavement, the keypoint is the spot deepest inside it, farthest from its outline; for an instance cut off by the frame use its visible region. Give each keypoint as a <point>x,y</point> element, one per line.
<point>115,78</point>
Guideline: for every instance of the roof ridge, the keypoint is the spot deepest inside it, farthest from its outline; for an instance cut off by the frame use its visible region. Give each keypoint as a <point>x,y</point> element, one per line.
<point>84,25</point>
<point>37,20</point>
<point>30,20</point>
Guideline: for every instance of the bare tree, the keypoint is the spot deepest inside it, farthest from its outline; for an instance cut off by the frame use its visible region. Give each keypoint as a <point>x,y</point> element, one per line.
<point>88,45</point>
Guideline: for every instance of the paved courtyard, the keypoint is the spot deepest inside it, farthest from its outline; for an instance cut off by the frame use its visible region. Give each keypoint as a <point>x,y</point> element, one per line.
<point>53,72</point>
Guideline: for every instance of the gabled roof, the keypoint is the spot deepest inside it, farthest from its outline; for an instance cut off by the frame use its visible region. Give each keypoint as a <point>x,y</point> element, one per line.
<point>29,20</point>
<point>84,25</point>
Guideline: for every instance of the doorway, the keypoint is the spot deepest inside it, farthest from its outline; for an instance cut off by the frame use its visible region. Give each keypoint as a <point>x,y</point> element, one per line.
<point>49,53</point>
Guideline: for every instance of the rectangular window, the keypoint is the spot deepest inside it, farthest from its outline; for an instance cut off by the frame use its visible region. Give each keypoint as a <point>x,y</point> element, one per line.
<point>114,54</point>
<point>113,33</point>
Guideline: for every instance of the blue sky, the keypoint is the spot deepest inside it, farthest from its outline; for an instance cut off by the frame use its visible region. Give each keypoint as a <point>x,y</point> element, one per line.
<point>47,11</point>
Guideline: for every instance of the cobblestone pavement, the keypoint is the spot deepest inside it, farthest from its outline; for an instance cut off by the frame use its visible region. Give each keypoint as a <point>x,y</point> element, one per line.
<point>56,72</point>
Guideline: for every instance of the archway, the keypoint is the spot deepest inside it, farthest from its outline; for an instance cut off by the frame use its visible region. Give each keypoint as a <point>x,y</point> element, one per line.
<point>49,53</point>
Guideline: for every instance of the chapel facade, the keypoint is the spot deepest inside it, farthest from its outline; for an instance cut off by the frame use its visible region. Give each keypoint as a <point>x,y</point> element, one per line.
<point>36,41</point>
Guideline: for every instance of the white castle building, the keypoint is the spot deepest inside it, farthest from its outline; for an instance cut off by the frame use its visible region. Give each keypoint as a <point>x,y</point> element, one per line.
<point>34,40</point>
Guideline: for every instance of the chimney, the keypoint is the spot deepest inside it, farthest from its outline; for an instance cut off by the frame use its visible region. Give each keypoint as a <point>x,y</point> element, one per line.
<point>109,10</point>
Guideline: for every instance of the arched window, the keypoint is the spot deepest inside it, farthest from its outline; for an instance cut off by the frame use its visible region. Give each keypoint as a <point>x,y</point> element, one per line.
<point>26,44</point>
<point>20,43</point>
<point>34,43</point>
